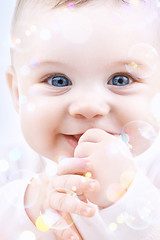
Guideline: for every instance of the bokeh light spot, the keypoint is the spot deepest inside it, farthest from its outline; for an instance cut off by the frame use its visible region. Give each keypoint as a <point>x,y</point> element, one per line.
<point>27,33</point>
<point>17,41</point>
<point>74,189</point>
<point>135,3</point>
<point>120,219</point>
<point>25,70</point>
<point>34,62</point>
<point>33,28</point>
<point>113,226</point>
<point>15,154</point>
<point>88,175</point>
<point>41,225</point>
<point>45,34</point>
<point>70,5</point>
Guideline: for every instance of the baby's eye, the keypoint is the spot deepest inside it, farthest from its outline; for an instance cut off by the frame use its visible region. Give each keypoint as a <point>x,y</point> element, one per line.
<point>59,81</point>
<point>120,80</point>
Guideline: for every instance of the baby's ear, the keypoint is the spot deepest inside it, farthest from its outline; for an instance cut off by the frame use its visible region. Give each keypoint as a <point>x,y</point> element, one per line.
<point>13,86</point>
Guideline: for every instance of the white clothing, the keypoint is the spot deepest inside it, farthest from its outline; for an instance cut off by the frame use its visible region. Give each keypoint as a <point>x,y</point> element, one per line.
<point>135,216</point>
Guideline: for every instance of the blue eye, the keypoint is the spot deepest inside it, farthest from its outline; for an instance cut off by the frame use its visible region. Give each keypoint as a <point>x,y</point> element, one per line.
<point>120,80</point>
<point>59,81</point>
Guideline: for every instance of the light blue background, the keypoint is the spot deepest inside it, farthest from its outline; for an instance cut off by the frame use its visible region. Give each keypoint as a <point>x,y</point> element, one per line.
<point>9,121</point>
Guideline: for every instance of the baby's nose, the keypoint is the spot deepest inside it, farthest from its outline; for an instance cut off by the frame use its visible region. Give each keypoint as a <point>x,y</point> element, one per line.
<point>88,109</point>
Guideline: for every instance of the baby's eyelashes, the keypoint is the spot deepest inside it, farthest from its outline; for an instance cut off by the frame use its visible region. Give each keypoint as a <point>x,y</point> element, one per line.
<point>58,80</point>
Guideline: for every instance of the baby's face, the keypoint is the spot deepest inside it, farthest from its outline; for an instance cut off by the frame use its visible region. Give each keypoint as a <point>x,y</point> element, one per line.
<point>88,67</point>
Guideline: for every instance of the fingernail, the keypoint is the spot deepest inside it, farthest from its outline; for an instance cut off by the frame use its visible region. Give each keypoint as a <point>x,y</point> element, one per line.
<point>92,186</point>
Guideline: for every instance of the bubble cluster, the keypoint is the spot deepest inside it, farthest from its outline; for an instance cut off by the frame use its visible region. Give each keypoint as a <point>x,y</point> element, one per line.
<point>139,136</point>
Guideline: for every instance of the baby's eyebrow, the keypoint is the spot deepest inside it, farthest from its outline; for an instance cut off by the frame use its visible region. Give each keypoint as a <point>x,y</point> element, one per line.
<point>41,62</point>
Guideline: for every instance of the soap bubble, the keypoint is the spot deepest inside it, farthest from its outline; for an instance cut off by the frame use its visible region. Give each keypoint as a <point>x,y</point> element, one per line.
<point>143,211</point>
<point>131,215</point>
<point>142,51</point>
<point>139,136</point>
<point>150,210</point>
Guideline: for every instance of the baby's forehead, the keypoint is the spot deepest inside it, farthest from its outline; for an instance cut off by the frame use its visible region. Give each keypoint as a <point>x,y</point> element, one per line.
<point>36,27</point>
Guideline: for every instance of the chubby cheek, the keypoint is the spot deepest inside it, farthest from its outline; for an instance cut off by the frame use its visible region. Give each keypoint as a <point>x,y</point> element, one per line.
<point>40,122</point>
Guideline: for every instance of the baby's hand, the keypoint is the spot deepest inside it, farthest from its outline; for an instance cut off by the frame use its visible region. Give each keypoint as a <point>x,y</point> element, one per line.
<point>112,165</point>
<point>57,195</point>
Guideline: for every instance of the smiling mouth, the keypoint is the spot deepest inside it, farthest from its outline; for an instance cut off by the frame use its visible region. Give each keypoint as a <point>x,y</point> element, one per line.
<point>73,139</point>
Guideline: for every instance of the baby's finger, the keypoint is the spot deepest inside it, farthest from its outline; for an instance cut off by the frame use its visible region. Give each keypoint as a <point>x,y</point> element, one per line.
<point>76,183</point>
<point>67,203</point>
<point>94,135</point>
<point>74,166</point>
<point>84,149</point>
<point>60,226</point>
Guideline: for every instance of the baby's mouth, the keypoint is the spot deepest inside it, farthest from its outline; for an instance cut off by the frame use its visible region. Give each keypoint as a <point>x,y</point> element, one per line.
<point>73,139</point>
<point>77,137</point>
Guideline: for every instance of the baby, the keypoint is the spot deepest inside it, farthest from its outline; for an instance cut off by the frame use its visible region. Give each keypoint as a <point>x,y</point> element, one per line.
<point>82,73</point>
